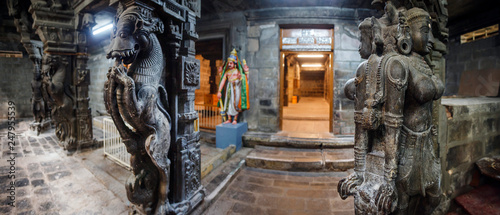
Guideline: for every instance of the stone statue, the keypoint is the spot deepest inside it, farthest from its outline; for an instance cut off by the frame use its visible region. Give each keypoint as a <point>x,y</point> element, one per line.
<point>233,88</point>
<point>60,98</point>
<point>137,102</point>
<point>396,169</point>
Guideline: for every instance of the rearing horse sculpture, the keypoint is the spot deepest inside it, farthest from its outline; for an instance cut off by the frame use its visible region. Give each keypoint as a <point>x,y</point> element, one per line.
<point>136,100</point>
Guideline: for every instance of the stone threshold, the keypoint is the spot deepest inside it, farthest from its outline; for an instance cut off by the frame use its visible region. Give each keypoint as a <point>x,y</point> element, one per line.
<point>217,160</point>
<point>297,140</point>
<point>300,159</point>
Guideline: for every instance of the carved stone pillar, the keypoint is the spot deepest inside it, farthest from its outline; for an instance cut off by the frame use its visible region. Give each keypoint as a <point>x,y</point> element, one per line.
<point>155,65</point>
<point>39,106</point>
<point>66,78</point>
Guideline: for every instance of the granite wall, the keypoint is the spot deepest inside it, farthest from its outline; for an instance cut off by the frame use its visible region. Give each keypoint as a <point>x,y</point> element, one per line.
<point>15,85</point>
<point>98,66</point>
<point>469,129</point>
<point>256,34</point>
<point>473,69</point>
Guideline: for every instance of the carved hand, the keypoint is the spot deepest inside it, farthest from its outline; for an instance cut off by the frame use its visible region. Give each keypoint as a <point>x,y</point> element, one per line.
<point>219,95</point>
<point>386,196</point>
<point>347,186</point>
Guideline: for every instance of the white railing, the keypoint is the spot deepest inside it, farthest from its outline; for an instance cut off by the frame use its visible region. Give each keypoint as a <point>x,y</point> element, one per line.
<point>114,148</point>
<point>209,116</point>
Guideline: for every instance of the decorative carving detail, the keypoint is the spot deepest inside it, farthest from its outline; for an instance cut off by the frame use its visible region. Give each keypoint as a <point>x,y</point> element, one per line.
<point>188,116</point>
<point>39,104</point>
<point>65,76</point>
<point>61,99</point>
<point>192,73</point>
<point>192,163</point>
<point>137,97</point>
<point>396,168</point>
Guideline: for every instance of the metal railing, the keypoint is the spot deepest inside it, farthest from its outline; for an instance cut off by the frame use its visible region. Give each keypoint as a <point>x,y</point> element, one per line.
<point>209,116</point>
<point>114,148</point>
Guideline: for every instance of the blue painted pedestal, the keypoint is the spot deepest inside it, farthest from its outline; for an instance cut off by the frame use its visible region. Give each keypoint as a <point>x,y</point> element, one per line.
<point>227,134</point>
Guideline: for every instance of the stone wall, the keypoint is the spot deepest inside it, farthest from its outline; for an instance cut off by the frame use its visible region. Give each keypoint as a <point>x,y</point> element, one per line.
<point>469,131</point>
<point>312,84</point>
<point>479,60</point>
<point>98,66</point>
<point>256,34</point>
<point>15,85</point>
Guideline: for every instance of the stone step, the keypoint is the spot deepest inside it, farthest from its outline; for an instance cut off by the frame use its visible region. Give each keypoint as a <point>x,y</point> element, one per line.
<point>301,160</point>
<point>298,140</point>
<point>212,157</point>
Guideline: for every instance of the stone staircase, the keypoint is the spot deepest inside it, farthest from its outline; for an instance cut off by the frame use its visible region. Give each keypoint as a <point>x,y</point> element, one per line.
<point>291,152</point>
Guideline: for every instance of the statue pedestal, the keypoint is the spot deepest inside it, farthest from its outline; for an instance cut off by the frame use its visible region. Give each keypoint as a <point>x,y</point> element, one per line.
<point>227,134</point>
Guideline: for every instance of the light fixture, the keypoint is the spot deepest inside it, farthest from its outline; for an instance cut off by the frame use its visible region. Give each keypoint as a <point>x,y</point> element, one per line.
<point>312,65</point>
<point>310,55</point>
<point>102,29</point>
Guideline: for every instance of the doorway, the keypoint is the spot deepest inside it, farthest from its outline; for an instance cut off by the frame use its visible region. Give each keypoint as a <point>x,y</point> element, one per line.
<point>307,94</point>
<point>306,89</point>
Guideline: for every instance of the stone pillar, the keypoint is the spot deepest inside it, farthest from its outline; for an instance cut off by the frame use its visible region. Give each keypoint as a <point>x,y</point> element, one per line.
<point>66,78</point>
<point>39,106</point>
<point>186,154</point>
<point>167,158</point>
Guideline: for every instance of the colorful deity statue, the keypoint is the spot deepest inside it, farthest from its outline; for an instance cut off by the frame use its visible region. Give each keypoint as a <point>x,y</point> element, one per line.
<point>233,88</point>
<point>396,168</point>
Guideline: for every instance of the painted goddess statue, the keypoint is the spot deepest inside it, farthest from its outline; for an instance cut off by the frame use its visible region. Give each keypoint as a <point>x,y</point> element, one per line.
<point>233,88</point>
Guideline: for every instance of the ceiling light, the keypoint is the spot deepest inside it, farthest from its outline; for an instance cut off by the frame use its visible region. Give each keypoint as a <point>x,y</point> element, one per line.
<point>310,55</point>
<point>102,29</point>
<point>312,65</point>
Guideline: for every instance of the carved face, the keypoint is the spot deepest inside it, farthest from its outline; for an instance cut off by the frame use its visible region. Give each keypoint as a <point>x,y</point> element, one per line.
<point>365,47</point>
<point>421,35</point>
<point>126,41</point>
<point>230,65</point>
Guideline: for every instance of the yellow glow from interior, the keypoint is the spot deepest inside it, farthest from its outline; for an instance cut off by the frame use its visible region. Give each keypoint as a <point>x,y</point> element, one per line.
<point>310,55</point>
<point>312,65</point>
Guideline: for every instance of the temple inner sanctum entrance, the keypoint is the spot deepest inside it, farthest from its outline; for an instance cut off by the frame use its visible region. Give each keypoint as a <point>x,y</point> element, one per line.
<point>306,83</point>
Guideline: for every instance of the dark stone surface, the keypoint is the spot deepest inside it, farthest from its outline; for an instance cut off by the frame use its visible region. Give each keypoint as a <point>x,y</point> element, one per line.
<point>265,102</point>
<point>58,175</point>
<point>46,206</point>
<point>23,204</point>
<point>22,182</point>
<point>42,191</point>
<point>37,183</point>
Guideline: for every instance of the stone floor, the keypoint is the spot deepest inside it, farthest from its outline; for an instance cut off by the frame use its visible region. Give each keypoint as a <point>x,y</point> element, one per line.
<point>258,191</point>
<point>48,181</point>
<point>308,118</point>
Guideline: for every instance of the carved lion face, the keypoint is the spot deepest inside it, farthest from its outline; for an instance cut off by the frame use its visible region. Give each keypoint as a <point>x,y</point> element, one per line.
<point>127,39</point>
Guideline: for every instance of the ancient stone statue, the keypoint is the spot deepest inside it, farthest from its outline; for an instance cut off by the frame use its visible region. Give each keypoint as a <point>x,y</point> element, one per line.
<point>34,47</point>
<point>137,102</point>
<point>396,169</point>
<point>60,97</point>
<point>234,84</point>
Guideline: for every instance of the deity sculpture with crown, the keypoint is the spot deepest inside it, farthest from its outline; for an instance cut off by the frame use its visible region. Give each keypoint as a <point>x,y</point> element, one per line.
<point>233,88</point>
<point>397,170</point>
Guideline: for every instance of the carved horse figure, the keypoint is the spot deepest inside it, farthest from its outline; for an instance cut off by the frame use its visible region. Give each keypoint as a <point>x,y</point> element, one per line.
<point>60,99</point>
<point>136,100</point>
